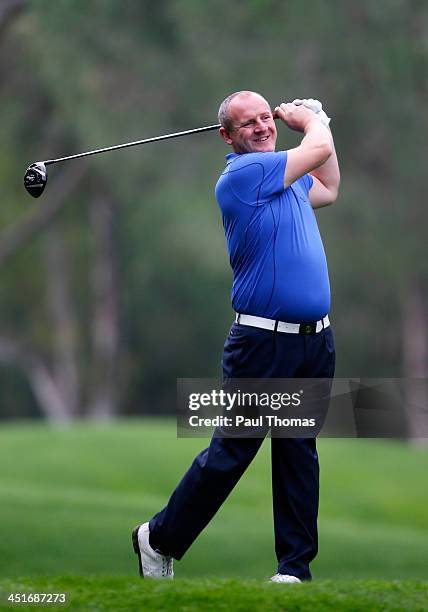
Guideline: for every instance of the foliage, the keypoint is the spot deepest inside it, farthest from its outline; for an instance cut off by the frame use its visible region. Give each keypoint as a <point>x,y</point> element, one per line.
<point>82,75</point>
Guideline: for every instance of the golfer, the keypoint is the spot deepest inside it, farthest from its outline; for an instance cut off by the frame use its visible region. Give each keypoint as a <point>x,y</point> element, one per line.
<point>281,296</point>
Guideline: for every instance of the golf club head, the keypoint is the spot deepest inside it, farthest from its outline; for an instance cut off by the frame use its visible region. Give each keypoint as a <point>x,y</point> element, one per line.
<point>35,179</point>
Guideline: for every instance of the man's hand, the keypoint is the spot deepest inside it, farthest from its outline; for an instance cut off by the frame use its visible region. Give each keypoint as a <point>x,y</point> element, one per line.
<point>315,154</point>
<point>296,117</point>
<point>316,106</point>
<point>326,178</point>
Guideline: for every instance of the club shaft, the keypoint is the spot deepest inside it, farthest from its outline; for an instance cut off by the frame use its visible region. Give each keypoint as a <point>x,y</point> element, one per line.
<point>133,144</point>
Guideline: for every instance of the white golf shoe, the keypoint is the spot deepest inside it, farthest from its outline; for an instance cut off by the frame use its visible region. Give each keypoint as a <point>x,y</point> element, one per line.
<point>151,563</point>
<point>285,578</point>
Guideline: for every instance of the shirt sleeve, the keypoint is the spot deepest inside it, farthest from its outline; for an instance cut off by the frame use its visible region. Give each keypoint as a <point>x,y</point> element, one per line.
<point>306,181</point>
<point>256,178</point>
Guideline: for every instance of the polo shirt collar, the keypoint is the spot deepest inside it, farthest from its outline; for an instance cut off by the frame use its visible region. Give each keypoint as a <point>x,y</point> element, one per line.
<point>231,156</point>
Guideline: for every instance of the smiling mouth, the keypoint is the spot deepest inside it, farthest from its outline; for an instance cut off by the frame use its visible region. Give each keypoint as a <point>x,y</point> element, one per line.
<point>263,139</point>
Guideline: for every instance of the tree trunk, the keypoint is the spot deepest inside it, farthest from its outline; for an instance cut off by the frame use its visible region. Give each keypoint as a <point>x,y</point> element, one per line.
<point>42,383</point>
<point>56,391</point>
<point>64,321</point>
<point>9,9</point>
<point>105,327</point>
<point>415,361</point>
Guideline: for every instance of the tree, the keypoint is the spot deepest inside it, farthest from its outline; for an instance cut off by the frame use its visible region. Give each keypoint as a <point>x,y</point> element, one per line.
<point>150,69</point>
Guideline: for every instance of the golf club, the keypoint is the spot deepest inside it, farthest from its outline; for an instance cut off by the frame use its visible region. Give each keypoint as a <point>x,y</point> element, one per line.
<point>36,176</point>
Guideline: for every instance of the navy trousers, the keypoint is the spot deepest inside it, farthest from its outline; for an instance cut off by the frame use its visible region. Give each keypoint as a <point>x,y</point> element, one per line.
<point>251,352</point>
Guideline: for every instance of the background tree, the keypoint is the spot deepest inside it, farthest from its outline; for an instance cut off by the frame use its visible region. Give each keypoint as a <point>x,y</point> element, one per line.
<point>144,274</point>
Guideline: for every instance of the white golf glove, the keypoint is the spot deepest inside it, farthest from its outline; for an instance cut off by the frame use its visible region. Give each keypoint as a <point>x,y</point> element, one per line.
<point>316,107</point>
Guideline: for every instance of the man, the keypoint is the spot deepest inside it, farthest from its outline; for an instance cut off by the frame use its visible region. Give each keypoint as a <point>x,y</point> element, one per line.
<point>281,296</point>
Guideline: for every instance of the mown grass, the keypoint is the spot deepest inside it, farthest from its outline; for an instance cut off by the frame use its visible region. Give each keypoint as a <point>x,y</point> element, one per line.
<point>122,593</point>
<point>69,498</point>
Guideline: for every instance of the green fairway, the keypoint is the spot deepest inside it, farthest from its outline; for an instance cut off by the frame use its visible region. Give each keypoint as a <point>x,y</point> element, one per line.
<point>119,593</point>
<point>69,499</point>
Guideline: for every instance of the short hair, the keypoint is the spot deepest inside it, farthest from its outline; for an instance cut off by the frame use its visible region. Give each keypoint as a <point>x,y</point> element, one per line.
<point>223,112</point>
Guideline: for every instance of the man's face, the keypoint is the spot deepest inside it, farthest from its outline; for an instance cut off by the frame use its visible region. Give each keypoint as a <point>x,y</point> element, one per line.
<point>254,129</point>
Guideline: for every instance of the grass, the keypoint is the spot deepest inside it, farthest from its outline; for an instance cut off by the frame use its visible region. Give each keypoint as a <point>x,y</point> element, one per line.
<point>69,498</point>
<point>120,593</point>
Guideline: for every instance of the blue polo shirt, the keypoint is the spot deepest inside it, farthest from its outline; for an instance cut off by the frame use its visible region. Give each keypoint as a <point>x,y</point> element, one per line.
<point>275,248</point>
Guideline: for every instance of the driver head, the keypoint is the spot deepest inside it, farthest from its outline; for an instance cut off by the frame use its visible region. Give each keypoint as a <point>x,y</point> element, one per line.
<point>35,179</point>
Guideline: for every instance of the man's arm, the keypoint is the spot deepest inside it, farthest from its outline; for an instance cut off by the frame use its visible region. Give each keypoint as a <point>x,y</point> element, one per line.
<point>326,182</point>
<point>316,147</point>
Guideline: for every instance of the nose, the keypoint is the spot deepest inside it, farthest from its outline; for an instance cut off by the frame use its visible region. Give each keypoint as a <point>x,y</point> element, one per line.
<point>259,125</point>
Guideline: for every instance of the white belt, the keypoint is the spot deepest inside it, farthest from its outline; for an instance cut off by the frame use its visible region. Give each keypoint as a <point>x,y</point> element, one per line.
<point>289,328</point>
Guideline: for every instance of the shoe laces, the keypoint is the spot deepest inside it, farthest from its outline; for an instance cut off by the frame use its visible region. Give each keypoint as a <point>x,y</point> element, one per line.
<point>166,565</point>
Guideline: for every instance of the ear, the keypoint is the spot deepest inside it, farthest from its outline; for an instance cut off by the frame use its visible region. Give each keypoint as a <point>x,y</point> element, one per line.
<point>225,135</point>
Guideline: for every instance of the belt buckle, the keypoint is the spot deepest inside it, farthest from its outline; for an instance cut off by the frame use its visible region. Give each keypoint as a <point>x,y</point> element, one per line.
<point>308,328</point>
